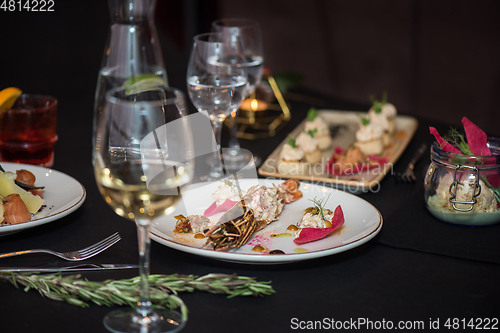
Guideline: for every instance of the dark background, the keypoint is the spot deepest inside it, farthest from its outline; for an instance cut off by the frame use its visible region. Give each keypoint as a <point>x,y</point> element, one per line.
<point>436,59</point>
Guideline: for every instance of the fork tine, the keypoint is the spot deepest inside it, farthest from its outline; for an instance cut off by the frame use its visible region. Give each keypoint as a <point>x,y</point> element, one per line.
<point>105,240</point>
<point>100,246</point>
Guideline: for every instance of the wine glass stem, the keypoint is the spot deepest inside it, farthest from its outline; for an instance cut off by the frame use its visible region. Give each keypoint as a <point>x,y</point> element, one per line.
<point>144,303</point>
<point>233,137</point>
<point>216,169</point>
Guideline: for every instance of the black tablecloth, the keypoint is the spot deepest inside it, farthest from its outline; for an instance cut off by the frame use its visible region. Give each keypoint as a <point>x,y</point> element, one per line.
<point>416,270</point>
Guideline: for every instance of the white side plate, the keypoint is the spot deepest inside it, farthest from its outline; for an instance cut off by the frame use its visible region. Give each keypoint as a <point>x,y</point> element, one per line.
<point>62,194</point>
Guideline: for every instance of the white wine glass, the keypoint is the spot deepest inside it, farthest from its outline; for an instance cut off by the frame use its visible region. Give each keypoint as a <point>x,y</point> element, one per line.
<point>249,32</point>
<point>217,83</point>
<point>143,161</point>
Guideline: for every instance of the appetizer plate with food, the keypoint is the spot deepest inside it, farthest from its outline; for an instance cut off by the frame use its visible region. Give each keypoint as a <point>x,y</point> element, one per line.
<point>275,221</point>
<point>347,150</point>
<point>55,196</point>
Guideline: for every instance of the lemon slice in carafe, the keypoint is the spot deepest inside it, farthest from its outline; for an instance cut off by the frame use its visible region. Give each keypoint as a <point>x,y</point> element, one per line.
<point>143,82</point>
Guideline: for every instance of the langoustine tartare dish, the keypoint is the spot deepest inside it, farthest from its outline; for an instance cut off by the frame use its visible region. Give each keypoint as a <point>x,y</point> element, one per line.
<point>257,208</point>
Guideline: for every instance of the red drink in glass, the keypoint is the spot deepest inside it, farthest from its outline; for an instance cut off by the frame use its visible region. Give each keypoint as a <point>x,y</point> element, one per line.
<point>28,131</point>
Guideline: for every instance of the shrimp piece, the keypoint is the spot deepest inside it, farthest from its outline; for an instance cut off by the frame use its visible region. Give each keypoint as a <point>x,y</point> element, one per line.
<point>15,210</point>
<point>25,177</point>
<point>289,190</point>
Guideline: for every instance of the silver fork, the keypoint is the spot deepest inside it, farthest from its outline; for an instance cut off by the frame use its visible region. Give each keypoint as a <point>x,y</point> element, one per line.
<point>408,176</point>
<point>82,254</point>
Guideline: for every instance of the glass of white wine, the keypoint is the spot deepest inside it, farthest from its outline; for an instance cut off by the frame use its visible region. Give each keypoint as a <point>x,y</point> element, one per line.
<point>144,160</point>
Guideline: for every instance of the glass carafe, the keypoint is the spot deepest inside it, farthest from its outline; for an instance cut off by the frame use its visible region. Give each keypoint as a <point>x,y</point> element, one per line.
<point>132,56</point>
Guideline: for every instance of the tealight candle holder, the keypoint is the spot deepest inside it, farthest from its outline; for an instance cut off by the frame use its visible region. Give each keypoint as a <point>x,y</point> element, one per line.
<point>265,112</point>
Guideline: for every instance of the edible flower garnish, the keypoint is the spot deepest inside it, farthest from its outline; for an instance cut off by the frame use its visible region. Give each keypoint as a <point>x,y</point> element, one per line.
<point>476,144</point>
<point>307,235</point>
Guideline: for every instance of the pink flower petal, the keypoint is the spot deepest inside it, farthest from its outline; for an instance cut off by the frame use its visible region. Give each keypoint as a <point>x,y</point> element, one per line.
<point>443,144</point>
<point>312,234</point>
<point>476,138</point>
<point>224,207</point>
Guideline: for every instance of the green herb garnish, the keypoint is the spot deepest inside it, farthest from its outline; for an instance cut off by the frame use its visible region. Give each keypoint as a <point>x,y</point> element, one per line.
<point>459,140</point>
<point>364,121</point>
<point>312,132</point>
<point>320,204</point>
<point>384,98</point>
<point>292,142</point>
<point>377,105</point>
<point>312,114</point>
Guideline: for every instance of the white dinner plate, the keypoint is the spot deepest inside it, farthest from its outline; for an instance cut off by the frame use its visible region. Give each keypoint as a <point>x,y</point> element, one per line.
<point>362,222</point>
<point>62,195</point>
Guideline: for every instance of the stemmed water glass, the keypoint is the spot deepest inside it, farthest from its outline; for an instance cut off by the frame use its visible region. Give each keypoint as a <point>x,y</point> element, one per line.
<point>249,33</point>
<point>142,163</point>
<point>217,83</point>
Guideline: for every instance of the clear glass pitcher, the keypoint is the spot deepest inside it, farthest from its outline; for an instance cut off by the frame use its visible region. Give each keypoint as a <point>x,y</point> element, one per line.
<point>132,56</point>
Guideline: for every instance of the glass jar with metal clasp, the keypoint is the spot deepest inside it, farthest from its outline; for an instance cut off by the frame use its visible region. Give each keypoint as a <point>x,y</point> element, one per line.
<point>464,189</point>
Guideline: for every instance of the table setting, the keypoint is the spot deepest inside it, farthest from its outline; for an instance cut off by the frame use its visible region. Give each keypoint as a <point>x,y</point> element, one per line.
<point>183,200</point>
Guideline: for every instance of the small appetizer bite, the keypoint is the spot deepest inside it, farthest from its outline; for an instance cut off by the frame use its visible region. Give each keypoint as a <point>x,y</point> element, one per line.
<point>15,210</point>
<point>369,138</point>
<point>319,127</point>
<point>266,202</point>
<point>318,222</point>
<point>226,196</point>
<point>309,146</point>
<point>289,190</point>
<point>292,159</point>
<point>377,118</point>
<point>352,161</point>
<point>260,206</point>
<point>390,112</point>
<point>192,223</point>
<point>384,114</point>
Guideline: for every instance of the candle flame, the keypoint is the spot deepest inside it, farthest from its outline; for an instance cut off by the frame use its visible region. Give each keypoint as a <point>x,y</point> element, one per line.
<point>254,105</point>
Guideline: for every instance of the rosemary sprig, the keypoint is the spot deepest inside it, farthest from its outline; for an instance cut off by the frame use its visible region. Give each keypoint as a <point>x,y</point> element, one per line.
<point>164,289</point>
